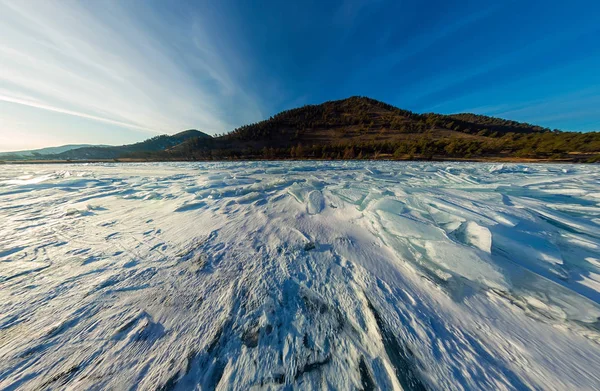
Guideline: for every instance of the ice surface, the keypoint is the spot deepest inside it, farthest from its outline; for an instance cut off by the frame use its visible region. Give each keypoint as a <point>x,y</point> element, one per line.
<point>300,275</point>
<point>474,234</point>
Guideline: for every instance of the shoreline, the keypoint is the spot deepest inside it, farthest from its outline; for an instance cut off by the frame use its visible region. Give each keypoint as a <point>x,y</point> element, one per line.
<point>434,159</point>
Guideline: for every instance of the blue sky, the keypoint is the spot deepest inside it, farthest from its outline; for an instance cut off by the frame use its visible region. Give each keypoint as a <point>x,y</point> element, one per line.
<point>115,72</point>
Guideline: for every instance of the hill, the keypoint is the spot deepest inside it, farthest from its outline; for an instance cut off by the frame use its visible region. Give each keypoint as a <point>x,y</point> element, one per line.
<point>360,127</point>
<point>141,149</point>
<point>32,153</point>
<point>497,124</point>
<point>365,118</point>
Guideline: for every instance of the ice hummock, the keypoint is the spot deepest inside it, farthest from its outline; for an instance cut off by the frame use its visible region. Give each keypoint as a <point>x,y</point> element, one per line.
<point>300,275</point>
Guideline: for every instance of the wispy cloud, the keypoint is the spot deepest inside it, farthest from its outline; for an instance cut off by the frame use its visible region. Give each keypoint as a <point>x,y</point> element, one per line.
<point>38,105</point>
<point>117,64</point>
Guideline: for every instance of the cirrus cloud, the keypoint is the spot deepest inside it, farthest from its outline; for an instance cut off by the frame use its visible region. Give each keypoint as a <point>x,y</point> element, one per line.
<point>119,64</point>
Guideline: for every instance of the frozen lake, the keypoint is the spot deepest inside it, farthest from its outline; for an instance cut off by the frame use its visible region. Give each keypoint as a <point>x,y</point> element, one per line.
<point>301,275</point>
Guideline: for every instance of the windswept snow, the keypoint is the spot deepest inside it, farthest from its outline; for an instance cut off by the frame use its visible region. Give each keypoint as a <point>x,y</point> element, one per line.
<point>300,275</point>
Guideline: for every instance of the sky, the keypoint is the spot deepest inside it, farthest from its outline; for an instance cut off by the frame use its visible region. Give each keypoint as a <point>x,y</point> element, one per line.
<point>116,72</point>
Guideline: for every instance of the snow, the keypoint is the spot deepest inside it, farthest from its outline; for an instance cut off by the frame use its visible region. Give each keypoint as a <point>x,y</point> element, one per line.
<point>471,233</point>
<point>300,275</point>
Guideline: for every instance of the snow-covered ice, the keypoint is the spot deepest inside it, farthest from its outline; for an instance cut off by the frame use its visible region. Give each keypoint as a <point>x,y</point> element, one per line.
<point>300,275</point>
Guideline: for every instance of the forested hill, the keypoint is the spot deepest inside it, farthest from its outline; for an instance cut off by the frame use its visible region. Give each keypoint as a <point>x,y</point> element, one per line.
<point>497,124</point>
<point>147,147</point>
<point>360,127</point>
<point>363,114</point>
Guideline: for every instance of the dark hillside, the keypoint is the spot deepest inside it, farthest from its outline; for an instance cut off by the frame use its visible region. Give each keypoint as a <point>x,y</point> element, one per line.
<point>360,116</point>
<point>500,125</point>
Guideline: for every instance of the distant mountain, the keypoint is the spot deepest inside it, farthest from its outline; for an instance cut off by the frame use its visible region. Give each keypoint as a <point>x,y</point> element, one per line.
<point>146,147</point>
<point>48,150</point>
<point>360,127</point>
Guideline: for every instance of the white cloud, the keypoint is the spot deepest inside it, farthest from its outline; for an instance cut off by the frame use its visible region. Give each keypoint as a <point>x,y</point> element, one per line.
<point>120,66</point>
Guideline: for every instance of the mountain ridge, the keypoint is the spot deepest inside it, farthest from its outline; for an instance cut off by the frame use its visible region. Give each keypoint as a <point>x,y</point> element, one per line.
<point>91,152</point>
<point>49,150</point>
